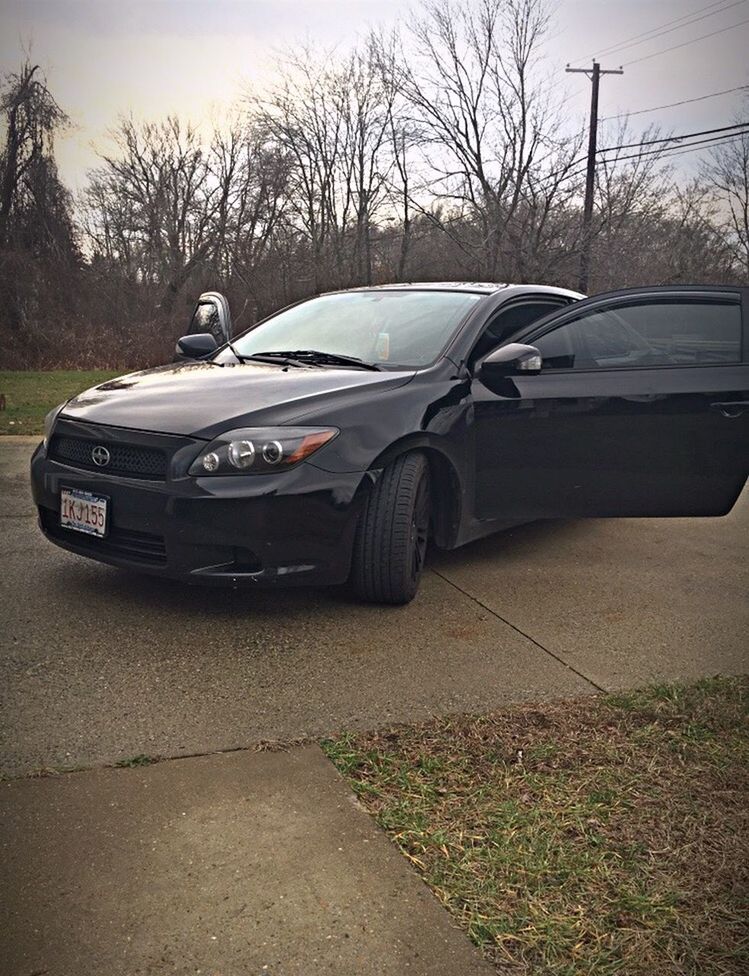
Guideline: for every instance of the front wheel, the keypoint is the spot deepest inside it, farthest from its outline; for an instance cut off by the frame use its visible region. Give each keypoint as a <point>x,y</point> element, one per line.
<point>393,531</point>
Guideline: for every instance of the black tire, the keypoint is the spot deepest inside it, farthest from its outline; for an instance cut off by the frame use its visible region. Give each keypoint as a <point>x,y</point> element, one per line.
<point>393,532</point>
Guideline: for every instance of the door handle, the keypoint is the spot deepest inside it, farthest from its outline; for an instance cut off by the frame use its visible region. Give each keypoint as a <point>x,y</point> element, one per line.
<point>731,408</point>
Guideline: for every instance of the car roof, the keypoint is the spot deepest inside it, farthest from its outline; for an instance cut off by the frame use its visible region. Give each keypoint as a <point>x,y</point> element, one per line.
<point>512,291</point>
<point>477,287</point>
<point>484,287</point>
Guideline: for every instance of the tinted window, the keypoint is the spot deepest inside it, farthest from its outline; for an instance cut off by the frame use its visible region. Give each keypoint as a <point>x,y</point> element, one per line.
<point>505,323</point>
<point>657,333</point>
<point>390,328</point>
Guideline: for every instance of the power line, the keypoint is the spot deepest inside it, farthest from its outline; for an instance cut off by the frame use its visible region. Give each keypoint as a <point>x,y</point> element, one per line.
<point>685,135</point>
<point>717,142</point>
<point>684,101</point>
<point>677,150</point>
<point>673,149</point>
<point>616,49</point>
<point>644,34</point>
<point>694,40</point>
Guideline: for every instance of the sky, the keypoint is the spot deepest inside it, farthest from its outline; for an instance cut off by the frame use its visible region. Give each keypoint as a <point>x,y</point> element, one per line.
<point>107,58</point>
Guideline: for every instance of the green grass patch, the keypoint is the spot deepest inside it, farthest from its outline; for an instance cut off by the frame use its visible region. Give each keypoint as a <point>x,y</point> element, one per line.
<point>30,395</point>
<point>586,838</point>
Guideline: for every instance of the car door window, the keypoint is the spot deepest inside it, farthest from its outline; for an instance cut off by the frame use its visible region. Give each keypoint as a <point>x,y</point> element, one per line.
<point>659,332</point>
<point>506,322</point>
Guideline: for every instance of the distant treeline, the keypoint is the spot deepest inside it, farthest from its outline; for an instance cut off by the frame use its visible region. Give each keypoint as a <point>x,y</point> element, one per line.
<point>441,151</point>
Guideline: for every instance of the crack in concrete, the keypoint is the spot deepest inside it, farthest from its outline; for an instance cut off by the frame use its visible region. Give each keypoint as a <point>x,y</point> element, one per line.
<point>522,633</point>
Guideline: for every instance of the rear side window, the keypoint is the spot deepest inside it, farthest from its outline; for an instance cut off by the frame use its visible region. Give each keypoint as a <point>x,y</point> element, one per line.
<point>656,333</point>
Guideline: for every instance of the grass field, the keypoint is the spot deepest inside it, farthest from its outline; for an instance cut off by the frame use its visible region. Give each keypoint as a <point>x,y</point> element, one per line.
<point>30,395</point>
<point>586,838</point>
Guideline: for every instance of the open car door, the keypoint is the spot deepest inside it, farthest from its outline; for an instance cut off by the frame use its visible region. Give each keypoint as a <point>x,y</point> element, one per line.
<point>640,407</point>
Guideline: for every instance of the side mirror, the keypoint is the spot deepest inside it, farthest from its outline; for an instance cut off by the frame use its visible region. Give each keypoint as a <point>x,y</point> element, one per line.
<point>195,346</point>
<point>512,359</point>
<point>212,315</point>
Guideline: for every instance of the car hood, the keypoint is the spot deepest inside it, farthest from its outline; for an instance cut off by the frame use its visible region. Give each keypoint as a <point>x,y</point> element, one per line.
<point>203,400</point>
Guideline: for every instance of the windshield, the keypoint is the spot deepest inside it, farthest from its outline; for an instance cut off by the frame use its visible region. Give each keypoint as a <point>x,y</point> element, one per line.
<point>387,328</point>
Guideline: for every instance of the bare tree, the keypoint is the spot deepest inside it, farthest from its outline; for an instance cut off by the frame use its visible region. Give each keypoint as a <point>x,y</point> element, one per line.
<point>485,119</point>
<point>632,195</point>
<point>693,247</point>
<point>251,179</point>
<point>152,203</point>
<point>727,171</point>
<point>370,149</point>
<point>330,118</point>
<point>302,119</point>
<point>397,149</point>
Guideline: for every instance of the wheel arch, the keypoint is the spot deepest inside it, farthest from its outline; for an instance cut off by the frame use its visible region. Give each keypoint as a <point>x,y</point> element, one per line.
<point>446,487</point>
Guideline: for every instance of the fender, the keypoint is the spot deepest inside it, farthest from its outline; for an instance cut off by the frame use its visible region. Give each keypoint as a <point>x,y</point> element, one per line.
<point>448,489</point>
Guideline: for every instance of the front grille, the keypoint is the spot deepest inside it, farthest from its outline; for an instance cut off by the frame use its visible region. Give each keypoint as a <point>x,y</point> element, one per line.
<point>142,547</point>
<point>128,460</point>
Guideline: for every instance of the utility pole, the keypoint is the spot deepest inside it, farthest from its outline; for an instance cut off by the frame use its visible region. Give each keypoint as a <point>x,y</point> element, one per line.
<point>594,74</point>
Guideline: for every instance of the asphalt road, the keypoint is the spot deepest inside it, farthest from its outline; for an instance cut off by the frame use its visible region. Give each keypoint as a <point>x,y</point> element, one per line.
<point>98,665</point>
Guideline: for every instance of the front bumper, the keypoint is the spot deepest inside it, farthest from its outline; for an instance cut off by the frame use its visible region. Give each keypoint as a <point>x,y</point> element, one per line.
<point>296,527</point>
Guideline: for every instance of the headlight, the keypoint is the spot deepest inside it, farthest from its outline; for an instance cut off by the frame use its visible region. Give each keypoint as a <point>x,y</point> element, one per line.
<point>261,450</point>
<point>49,424</point>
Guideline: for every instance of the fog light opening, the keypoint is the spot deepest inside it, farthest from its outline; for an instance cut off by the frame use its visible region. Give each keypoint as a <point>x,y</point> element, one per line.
<point>245,561</point>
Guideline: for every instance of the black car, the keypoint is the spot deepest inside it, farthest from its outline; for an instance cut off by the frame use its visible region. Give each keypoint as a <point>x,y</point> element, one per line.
<point>334,439</point>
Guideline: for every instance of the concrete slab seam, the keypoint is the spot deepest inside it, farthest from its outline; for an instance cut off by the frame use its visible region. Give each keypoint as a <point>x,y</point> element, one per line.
<point>522,633</point>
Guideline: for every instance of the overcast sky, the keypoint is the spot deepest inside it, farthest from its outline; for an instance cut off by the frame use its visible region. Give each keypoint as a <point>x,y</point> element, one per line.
<point>105,58</point>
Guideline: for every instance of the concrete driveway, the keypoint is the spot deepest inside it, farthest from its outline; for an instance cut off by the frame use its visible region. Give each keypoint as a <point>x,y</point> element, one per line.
<point>99,665</point>
<point>241,864</point>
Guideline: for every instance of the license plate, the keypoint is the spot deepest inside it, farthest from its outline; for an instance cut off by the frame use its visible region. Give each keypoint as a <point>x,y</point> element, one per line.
<point>83,512</point>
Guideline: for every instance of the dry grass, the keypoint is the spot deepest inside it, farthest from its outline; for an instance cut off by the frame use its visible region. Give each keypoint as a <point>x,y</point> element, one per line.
<point>599,836</point>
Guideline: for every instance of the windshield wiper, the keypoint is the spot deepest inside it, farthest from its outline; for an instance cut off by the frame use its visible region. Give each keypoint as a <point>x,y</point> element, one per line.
<point>237,356</point>
<point>318,357</point>
<point>279,358</point>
